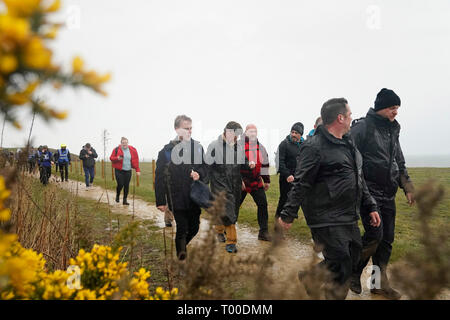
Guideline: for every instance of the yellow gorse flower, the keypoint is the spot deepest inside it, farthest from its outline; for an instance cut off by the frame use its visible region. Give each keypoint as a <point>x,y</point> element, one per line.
<point>36,55</point>
<point>13,29</point>
<point>23,274</point>
<point>8,63</point>
<point>5,213</point>
<point>54,6</point>
<point>22,8</point>
<point>24,96</point>
<point>24,34</point>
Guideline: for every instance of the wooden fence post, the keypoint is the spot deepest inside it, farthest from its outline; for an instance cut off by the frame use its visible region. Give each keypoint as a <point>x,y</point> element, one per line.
<point>103,169</point>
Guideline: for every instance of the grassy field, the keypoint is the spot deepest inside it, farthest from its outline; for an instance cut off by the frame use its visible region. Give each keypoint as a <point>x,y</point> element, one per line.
<point>406,237</point>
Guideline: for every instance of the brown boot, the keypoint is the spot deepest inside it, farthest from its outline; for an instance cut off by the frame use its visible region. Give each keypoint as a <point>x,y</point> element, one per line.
<point>386,290</point>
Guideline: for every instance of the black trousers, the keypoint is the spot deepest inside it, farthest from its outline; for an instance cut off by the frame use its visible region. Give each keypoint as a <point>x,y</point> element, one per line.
<point>285,187</point>
<point>45,174</point>
<point>31,166</point>
<point>341,250</point>
<point>64,170</point>
<point>123,182</point>
<point>377,241</point>
<point>188,223</point>
<point>259,196</point>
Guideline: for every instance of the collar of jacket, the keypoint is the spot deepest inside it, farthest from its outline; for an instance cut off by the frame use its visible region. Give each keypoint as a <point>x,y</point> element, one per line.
<point>247,140</point>
<point>222,139</point>
<point>176,141</point>
<point>321,130</point>
<point>381,121</point>
<point>289,139</point>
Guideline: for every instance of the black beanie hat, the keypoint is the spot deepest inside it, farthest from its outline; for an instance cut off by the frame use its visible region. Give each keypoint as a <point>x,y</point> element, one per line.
<point>298,126</point>
<point>386,98</point>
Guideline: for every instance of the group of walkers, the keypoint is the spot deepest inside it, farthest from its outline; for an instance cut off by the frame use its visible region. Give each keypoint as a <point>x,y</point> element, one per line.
<point>124,158</point>
<point>344,170</point>
<point>43,159</point>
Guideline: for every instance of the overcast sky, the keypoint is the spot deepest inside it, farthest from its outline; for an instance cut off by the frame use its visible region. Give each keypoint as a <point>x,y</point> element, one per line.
<point>271,63</point>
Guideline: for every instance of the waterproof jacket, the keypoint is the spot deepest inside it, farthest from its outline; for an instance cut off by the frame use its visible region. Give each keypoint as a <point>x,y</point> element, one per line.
<point>88,162</point>
<point>118,152</point>
<point>45,159</point>
<point>225,163</point>
<point>287,154</point>
<point>383,162</point>
<point>62,156</point>
<point>173,173</point>
<point>329,183</point>
<point>253,179</point>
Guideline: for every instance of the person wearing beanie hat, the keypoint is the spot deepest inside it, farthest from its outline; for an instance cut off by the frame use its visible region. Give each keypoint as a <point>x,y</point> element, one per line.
<point>384,168</point>
<point>386,98</point>
<point>286,162</point>
<point>226,158</point>
<point>298,126</point>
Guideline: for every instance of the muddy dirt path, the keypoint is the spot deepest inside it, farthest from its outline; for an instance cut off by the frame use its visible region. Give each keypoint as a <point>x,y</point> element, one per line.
<point>293,255</point>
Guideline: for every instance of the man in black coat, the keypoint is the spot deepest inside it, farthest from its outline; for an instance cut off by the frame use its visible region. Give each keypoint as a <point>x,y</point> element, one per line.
<point>377,138</point>
<point>330,188</point>
<point>226,158</point>
<point>287,154</point>
<point>179,163</point>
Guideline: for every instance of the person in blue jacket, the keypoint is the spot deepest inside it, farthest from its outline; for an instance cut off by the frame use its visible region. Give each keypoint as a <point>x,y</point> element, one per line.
<point>45,163</point>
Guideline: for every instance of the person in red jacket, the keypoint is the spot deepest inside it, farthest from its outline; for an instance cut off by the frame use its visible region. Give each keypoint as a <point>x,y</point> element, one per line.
<point>256,181</point>
<point>123,159</point>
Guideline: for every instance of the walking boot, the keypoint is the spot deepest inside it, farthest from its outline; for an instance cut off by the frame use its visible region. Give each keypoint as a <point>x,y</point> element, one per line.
<point>355,283</point>
<point>221,237</point>
<point>231,248</point>
<point>386,290</point>
<point>264,236</point>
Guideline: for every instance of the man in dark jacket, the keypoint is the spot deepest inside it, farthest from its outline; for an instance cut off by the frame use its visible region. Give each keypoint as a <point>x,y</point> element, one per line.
<point>226,158</point>
<point>330,188</point>
<point>179,163</point>
<point>31,160</point>
<point>88,156</point>
<point>257,181</point>
<point>286,158</point>
<point>377,138</point>
<point>316,124</point>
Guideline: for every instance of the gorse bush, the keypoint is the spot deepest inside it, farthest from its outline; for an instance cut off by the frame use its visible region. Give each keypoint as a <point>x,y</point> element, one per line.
<point>425,272</point>
<point>97,274</point>
<point>26,61</point>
